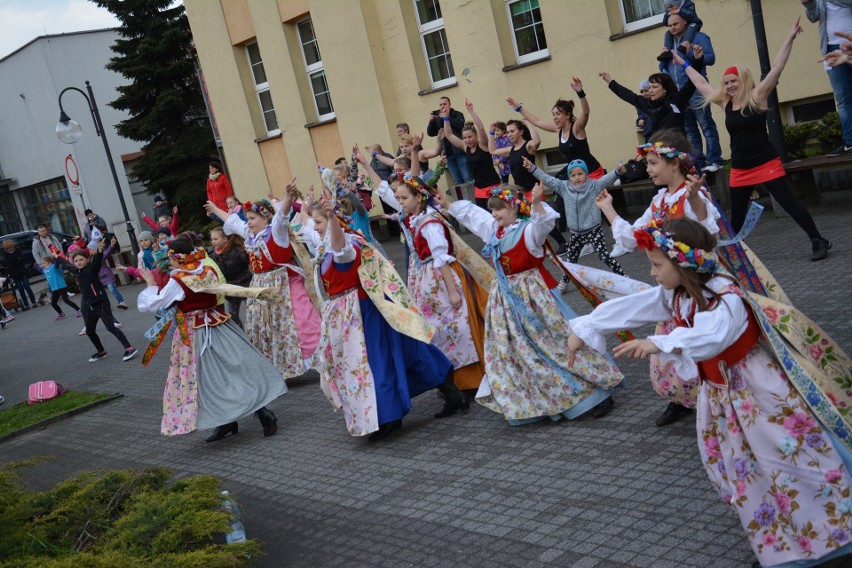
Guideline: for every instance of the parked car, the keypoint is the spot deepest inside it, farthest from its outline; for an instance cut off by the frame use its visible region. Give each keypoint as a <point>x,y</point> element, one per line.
<point>24,243</point>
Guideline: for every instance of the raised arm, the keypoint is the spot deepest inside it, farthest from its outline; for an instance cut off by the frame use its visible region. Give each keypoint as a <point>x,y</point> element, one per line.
<point>530,117</point>
<point>448,132</point>
<point>212,209</point>
<point>481,133</point>
<point>368,169</point>
<point>697,79</point>
<point>762,91</point>
<point>583,118</point>
<point>493,149</point>
<point>624,93</point>
<point>535,140</point>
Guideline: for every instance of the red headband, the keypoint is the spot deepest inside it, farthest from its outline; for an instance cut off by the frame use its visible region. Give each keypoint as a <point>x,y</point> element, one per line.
<point>731,71</point>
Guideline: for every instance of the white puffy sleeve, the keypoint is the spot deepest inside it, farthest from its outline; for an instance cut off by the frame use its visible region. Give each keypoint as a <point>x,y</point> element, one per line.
<point>236,226</point>
<point>280,226</point>
<point>711,221</point>
<point>636,310</point>
<point>386,194</point>
<point>151,300</point>
<point>312,238</point>
<point>437,240</point>
<point>346,254</point>
<point>622,231</point>
<point>712,332</point>
<point>476,219</point>
<point>539,227</point>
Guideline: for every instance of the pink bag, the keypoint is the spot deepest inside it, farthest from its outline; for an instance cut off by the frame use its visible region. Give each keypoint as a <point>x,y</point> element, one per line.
<point>44,390</point>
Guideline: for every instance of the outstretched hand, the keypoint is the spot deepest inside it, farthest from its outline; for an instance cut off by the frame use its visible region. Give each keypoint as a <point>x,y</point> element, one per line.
<point>468,105</point>
<point>537,193</point>
<point>605,76</point>
<point>797,28</point>
<point>636,349</point>
<point>441,199</point>
<point>147,276</point>
<point>574,345</point>
<point>576,84</point>
<point>694,185</point>
<point>527,164</point>
<point>603,200</point>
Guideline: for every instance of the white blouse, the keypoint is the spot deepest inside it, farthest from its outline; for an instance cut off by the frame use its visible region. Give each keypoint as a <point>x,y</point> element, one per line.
<point>711,333</point>
<point>622,231</point>
<point>279,226</point>
<point>435,238</point>
<point>482,224</point>
<point>386,194</point>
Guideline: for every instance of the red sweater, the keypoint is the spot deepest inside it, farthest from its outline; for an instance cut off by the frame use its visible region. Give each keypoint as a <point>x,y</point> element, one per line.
<point>219,190</point>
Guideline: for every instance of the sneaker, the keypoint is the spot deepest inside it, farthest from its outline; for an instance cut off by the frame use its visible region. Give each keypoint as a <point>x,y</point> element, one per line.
<point>59,317</point>
<point>8,318</point>
<point>97,356</point>
<point>82,331</point>
<point>118,324</point>
<point>618,250</point>
<point>79,314</point>
<point>2,399</point>
<point>711,168</point>
<point>840,150</point>
<point>587,250</point>
<point>563,286</point>
<point>820,248</point>
<point>129,354</point>
<point>71,294</point>
<point>665,56</point>
<point>122,306</point>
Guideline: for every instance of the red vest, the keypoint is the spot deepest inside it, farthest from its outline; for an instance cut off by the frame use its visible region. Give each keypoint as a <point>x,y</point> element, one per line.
<point>280,255</point>
<point>421,246</point>
<point>200,303</point>
<point>338,281</point>
<point>519,259</point>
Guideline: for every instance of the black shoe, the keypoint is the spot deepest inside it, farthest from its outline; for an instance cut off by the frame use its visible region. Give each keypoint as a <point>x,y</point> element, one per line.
<point>267,420</point>
<point>454,400</point>
<point>820,247</point>
<point>603,407</point>
<point>681,49</point>
<point>665,56</point>
<point>97,356</point>
<point>840,150</point>
<point>672,414</point>
<point>384,430</point>
<point>222,431</point>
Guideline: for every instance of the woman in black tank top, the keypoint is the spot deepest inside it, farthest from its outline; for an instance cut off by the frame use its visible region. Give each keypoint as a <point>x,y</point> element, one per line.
<point>754,159</point>
<point>474,142</point>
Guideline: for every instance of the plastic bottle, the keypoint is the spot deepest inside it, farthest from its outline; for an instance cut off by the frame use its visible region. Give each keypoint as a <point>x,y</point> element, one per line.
<point>238,531</point>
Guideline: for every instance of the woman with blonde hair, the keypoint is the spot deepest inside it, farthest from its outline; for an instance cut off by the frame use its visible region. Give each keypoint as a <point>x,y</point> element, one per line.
<point>754,159</point>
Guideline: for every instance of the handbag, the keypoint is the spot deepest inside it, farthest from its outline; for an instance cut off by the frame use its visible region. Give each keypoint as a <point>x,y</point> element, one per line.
<point>44,390</point>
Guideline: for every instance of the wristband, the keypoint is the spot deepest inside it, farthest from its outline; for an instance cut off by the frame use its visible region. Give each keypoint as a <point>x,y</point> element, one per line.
<point>375,154</point>
<point>581,94</point>
<point>445,118</point>
<point>519,107</point>
<point>491,133</point>
<point>685,64</point>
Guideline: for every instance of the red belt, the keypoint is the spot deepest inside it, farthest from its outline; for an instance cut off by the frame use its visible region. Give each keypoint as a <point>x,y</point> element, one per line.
<point>712,370</point>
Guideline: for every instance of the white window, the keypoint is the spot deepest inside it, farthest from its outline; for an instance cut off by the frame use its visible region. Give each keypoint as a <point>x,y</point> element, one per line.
<point>261,87</point>
<point>527,30</point>
<point>434,40</point>
<point>316,73</point>
<point>638,14</point>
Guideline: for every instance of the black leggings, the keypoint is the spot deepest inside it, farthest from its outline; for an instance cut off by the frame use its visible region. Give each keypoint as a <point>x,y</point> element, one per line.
<point>61,293</point>
<point>780,189</point>
<point>596,239</point>
<point>233,303</point>
<point>101,311</point>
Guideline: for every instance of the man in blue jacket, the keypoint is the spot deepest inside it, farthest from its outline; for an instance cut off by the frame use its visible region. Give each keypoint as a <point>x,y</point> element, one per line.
<point>697,114</point>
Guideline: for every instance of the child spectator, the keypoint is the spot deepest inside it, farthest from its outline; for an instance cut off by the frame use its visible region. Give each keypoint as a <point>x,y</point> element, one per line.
<point>145,259</point>
<point>644,124</point>
<point>170,222</point>
<point>234,207</point>
<point>106,276</point>
<point>230,254</point>
<point>686,10</point>
<point>56,281</point>
<point>501,140</point>
<point>161,206</point>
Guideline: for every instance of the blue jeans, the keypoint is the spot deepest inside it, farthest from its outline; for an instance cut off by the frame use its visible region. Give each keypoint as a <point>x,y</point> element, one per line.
<point>23,286</point>
<point>840,78</point>
<point>692,119</point>
<point>114,289</point>
<point>457,164</point>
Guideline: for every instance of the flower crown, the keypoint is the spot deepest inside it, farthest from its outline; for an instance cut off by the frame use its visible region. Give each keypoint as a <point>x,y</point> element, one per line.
<point>415,184</point>
<point>189,259</point>
<point>651,236</point>
<point>670,152</point>
<point>510,197</point>
<point>262,208</point>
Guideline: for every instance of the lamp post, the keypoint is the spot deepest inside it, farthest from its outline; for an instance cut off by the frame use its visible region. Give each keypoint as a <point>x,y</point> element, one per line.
<point>69,132</point>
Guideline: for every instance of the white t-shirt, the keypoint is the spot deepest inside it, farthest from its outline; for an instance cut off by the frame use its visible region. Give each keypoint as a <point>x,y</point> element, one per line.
<point>837,19</point>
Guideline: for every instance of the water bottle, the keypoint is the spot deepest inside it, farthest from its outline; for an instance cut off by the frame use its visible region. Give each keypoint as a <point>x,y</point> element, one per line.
<point>238,531</point>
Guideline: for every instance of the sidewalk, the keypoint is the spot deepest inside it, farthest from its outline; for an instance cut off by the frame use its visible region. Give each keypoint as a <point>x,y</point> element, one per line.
<point>463,491</point>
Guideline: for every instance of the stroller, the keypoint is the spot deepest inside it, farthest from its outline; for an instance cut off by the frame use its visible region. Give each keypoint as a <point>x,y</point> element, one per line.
<point>9,295</point>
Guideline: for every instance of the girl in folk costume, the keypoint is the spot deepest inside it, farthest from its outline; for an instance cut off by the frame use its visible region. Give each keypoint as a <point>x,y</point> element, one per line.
<point>446,294</point>
<point>771,432</point>
<point>216,376</point>
<point>286,328</point>
<point>527,377</point>
<point>374,356</point>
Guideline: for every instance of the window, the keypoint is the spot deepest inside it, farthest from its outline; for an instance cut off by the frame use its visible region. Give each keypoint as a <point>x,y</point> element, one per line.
<point>527,30</point>
<point>638,14</point>
<point>434,39</point>
<point>261,87</point>
<point>813,110</point>
<point>316,73</point>
<point>49,203</point>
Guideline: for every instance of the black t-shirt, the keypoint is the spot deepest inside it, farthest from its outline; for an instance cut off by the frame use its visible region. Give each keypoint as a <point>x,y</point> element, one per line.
<point>520,175</point>
<point>750,145</point>
<point>481,166</point>
<point>576,149</point>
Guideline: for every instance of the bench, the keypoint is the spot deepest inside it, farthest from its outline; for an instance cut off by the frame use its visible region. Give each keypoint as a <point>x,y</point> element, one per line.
<point>811,176</point>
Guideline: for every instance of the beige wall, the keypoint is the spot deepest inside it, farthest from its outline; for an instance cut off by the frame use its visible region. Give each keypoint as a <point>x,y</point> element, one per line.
<point>374,65</point>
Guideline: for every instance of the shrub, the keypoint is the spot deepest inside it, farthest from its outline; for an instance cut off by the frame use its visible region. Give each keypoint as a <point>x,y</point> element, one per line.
<point>829,132</point>
<point>796,137</point>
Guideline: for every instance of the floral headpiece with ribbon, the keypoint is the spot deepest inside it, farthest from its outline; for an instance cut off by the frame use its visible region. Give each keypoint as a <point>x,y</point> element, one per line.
<point>191,260</point>
<point>417,185</point>
<point>262,208</point>
<point>510,197</point>
<point>660,149</point>
<point>651,236</point>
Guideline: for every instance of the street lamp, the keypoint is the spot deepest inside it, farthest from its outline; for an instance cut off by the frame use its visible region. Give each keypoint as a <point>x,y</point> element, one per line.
<point>69,132</point>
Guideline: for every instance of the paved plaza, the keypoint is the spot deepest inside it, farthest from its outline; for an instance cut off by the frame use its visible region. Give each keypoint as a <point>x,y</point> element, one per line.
<point>463,491</point>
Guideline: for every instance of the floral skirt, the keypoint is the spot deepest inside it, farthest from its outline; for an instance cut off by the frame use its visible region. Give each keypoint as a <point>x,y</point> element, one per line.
<point>525,382</point>
<point>665,380</point>
<point>773,463</point>
<point>223,381</point>
<point>285,328</point>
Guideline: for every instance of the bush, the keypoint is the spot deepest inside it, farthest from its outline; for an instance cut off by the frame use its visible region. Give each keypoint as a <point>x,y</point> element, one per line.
<point>118,518</point>
<point>829,132</point>
<point>797,136</point>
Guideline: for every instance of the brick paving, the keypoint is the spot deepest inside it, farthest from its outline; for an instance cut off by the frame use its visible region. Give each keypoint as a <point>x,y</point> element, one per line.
<point>464,491</point>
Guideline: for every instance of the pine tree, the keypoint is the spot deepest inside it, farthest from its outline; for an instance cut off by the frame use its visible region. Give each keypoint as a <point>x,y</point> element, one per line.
<point>167,112</point>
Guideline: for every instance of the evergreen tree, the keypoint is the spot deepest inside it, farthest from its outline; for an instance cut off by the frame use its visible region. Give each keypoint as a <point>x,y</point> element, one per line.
<point>167,112</point>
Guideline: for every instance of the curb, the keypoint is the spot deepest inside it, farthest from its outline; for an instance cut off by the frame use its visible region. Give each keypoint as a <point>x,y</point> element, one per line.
<point>58,417</point>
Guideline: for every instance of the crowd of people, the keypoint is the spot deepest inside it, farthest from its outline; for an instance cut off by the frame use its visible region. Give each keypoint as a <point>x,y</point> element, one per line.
<point>320,294</point>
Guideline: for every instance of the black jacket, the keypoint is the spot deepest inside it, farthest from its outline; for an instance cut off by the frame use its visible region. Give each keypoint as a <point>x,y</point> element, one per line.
<point>234,264</point>
<point>456,123</point>
<point>16,266</point>
<point>89,283</point>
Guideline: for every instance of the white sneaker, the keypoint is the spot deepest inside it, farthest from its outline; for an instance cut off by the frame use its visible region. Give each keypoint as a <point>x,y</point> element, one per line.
<point>71,294</point>
<point>711,168</point>
<point>618,250</point>
<point>587,250</point>
<point>82,331</point>
<point>563,286</point>
<point>118,325</point>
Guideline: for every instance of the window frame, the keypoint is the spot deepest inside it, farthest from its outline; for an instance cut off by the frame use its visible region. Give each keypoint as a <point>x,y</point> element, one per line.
<point>430,27</point>
<point>260,88</point>
<point>649,22</point>
<point>313,69</point>
<point>529,57</point>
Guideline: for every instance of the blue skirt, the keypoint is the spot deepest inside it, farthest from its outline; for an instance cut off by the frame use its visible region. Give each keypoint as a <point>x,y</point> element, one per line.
<point>402,367</point>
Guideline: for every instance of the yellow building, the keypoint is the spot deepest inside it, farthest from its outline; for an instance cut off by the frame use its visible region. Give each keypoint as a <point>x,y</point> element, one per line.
<point>295,82</point>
